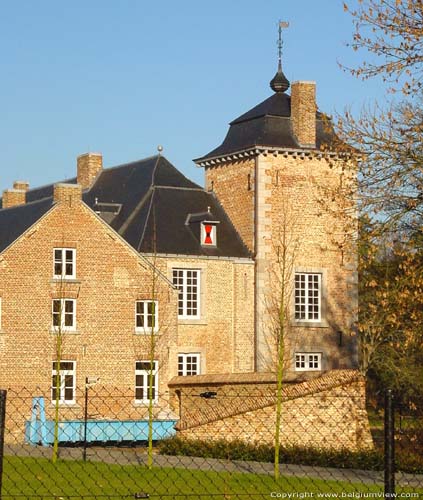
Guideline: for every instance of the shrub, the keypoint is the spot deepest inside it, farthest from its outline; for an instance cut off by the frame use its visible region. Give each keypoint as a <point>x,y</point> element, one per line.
<point>240,450</point>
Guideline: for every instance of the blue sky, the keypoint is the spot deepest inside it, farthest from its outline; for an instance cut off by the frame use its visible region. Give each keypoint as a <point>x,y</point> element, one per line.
<point>123,76</point>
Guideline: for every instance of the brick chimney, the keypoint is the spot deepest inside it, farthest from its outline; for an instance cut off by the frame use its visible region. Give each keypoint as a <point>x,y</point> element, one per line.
<point>89,165</point>
<point>67,193</point>
<point>21,185</point>
<point>13,197</point>
<point>303,112</point>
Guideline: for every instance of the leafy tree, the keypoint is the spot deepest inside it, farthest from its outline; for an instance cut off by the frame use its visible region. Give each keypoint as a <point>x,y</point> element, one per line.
<point>391,313</point>
<point>390,139</point>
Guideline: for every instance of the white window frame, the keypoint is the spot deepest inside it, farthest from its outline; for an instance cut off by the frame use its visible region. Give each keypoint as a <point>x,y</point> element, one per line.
<point>62,312</point>
<point>145,372</point>
<point>145,315</point>
<point>62,261</point>
<point>307,361</point>
<point>63,373</point>
<point>213,234</point>
<point>307,299</point>
<point>183,360</point>
<point>183,292</point>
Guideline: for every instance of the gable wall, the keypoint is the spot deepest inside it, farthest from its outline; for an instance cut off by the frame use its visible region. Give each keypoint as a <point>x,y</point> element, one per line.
<point>110,277</point>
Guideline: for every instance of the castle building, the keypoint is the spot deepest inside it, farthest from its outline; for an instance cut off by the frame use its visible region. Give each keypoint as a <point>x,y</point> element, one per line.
<point>113,257</point>
<point>273,174</point>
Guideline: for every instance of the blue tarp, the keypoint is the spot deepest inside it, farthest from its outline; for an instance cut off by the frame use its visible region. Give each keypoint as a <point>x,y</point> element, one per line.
<point>71,431</point>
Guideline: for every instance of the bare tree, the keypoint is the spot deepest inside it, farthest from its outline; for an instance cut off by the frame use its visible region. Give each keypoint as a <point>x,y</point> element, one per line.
<point>61,319</point>
<point>391,32</point>
<point>277,319</point>
<point>153,339</point>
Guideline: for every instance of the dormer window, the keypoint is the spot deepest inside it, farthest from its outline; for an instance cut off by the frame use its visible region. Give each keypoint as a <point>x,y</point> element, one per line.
<point>208,234</point>
<point>204,227</point>
<point>107,211</point>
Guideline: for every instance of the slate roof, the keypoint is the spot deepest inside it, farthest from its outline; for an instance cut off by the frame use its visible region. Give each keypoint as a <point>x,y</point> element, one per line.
<point>138,200</point>
<point>269,125</point>
<point>15,221</point>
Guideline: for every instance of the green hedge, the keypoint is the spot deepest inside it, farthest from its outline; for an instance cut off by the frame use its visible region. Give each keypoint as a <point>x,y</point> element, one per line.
<point>239,450</point>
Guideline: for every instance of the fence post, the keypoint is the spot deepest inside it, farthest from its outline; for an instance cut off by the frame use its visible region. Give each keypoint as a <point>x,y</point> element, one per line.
<point>84,453</point>
<point>389,445</point>
<point>2,426</point>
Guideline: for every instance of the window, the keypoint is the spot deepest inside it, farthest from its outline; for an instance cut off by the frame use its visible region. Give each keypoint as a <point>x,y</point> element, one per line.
<point>187,281</point>
<point>143,369</point>
<point>208,234</point>
<point>308,288</point>
<point>308,361</point>
<point>64,314</point>
<point>63,382</point>
<point>145,312</point>
<point>188,364</point>
<point>64,263</point>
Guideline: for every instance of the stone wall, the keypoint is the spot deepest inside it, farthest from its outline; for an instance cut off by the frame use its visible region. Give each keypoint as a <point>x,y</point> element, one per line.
<point>293,201</point>
<point>326,412</point>
<point>224,333</point>
<point>296,210</point>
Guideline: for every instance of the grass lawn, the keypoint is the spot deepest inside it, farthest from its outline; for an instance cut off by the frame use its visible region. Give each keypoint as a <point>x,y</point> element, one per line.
<point>34,477</point>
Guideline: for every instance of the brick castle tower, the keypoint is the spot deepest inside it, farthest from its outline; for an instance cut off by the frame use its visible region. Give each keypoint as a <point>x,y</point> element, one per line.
<point>273,174</point>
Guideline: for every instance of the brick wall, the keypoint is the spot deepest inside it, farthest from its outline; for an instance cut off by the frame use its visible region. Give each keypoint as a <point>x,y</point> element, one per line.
<point>327,412</point>
<point>303,112</point>
<point>291,200</point>
<point>110,277</point>
<point>13,197</point>
<point>224,333</point>
<point>298,213</point>
<point>234,187</point>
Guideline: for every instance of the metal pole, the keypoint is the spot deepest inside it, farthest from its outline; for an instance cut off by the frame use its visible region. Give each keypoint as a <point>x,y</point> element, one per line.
<point>2,426</point>
<point>84,455</point>
<point>389,445</point>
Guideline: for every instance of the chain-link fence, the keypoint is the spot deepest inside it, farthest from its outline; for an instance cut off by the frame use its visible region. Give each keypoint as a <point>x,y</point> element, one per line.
<point>217,444</point>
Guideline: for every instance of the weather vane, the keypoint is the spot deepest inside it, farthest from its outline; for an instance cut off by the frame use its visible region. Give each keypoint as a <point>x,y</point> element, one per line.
<point>282,25</point>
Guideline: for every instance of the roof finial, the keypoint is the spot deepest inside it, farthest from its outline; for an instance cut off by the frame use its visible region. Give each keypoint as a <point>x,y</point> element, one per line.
<point>280,83</point>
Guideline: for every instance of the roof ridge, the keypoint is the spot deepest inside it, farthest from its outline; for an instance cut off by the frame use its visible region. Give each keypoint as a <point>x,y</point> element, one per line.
<point>153,190</point>
<point>107,169</point>
<point>180,187</point>
<point>140,204</point>
<point>155,168</point>
<point>38,200</point>
<point>65,181</point>
<point>71,178</point>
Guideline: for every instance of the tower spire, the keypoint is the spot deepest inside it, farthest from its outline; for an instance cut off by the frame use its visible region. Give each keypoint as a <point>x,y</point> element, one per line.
<point>279,82</point>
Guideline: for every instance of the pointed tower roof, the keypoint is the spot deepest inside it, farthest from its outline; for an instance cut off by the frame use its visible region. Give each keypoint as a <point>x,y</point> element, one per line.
<point>269,124</point>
